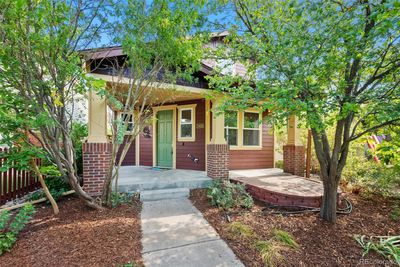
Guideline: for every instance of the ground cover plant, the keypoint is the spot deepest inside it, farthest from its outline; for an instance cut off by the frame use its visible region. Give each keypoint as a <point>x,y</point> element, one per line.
<point>387,246</point>
<point>11,227</point>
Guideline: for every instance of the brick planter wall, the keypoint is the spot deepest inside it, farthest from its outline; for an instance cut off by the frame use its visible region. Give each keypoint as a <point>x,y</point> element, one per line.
<point>218,161</point>
<point>96,163</point>
<point>293,159</point>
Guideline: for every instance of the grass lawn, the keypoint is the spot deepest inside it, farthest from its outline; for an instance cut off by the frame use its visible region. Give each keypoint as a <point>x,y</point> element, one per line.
<point>79,236</point>
<point>320,244</point>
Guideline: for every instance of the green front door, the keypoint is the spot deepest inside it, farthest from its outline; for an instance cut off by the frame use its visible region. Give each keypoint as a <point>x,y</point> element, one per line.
<point>164,138</point>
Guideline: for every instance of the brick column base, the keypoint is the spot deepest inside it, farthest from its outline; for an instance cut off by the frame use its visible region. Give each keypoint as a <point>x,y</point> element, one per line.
<point>293,159</point>
<point>218,161</point>
<point>96,163</point>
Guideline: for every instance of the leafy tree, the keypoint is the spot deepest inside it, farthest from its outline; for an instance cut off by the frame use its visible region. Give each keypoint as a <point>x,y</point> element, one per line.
<point>154,37</point>
<point>334,64</point>
<point>40,65</point>
<point>15,120</point>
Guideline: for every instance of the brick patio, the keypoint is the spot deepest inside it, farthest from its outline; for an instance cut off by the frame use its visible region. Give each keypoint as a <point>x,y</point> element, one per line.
<point>276,187</point>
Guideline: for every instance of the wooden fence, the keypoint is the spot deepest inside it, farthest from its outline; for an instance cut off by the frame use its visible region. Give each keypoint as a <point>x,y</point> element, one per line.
<point>15,183</point>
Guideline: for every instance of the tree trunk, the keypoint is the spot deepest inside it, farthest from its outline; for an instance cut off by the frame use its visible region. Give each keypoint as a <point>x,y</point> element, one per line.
<point>89,201</point>
<point>44,186</point>
<point>329,201</point>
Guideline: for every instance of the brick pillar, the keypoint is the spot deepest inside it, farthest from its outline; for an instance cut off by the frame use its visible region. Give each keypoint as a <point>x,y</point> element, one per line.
<point>293,159</point>
<point>96,163</point>
<point>218,161</point>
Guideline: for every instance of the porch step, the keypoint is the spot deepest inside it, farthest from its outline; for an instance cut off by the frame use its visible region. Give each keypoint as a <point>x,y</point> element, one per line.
<point>173,193</point>
<point>163,184</point>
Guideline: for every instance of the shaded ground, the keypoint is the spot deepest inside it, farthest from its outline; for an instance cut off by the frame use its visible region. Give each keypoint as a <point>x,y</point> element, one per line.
<point>79,236</point>
<point>321,244</point>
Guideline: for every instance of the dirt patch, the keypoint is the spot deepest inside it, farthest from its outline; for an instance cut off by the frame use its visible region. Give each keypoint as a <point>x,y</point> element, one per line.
<point>79,236</point>
<point>321,244</point>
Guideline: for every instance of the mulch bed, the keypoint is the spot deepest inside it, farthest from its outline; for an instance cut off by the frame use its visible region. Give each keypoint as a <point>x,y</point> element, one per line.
<point>322,244</point>
<point>78,236</point>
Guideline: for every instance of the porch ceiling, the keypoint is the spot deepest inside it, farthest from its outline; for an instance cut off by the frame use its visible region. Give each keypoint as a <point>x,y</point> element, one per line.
<point>158,93</point>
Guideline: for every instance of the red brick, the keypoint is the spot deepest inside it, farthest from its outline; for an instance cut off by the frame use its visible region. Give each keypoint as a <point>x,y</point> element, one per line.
<point>97,158</point>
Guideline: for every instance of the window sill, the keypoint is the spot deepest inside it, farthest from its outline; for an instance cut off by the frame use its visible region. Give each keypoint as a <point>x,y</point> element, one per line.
<point>182,139</point>
<point>245,148</point>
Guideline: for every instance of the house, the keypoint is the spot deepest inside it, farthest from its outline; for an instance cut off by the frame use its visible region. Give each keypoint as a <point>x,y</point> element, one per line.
<point>185,134</point>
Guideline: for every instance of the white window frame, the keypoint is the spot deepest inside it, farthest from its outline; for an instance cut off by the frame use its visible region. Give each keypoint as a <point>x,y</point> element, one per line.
<point>192,108</point>
<point>131,122</point>
<point>241,128</point>
<point>259,129</point>
<point>234,128</point>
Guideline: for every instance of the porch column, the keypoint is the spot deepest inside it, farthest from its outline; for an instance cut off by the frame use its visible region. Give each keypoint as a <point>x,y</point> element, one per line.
<point>218,149</point>
<point>97,149</point>
<point>293,151</point>
<point>97,119</point>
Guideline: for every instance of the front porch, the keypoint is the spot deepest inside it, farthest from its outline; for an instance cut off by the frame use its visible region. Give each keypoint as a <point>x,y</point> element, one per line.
<point>269,185</point>
<point>142,178</point>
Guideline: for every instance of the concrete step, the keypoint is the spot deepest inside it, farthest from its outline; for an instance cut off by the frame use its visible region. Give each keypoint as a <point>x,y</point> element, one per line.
<point>159,184</point>
<point>173,193</point>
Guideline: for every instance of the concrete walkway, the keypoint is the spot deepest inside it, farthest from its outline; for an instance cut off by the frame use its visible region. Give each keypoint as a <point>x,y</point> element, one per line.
<point>176,234</point>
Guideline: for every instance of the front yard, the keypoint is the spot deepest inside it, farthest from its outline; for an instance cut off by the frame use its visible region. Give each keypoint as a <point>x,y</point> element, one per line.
<point>79,236</point>
<point>320,244</point>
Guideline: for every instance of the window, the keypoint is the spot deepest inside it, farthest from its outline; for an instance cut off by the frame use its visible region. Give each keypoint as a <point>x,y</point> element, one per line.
<point>186,128</point>
<point>251,129</point>
<point>231,127</point>
<point>127,121</point>
<point>243,129</point>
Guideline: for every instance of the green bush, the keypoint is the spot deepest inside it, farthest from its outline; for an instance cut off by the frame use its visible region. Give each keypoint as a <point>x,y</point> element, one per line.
<point>227,195</point>
<point>78,133</point>
<point>120,198</point>
<point>56,185</point>
<point>279,164</point>
<point>371,177</point>
<point>9,229</point>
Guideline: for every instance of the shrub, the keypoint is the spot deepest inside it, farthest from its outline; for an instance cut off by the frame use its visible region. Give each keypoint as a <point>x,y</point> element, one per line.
<point>370,177</point>
<point>279,164</point>
<point>120,198</point>
<point>78,133</point>
<point>9,230</point>
<point>56,185</point>
<point>387,246</point>
<point>227,195</point>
